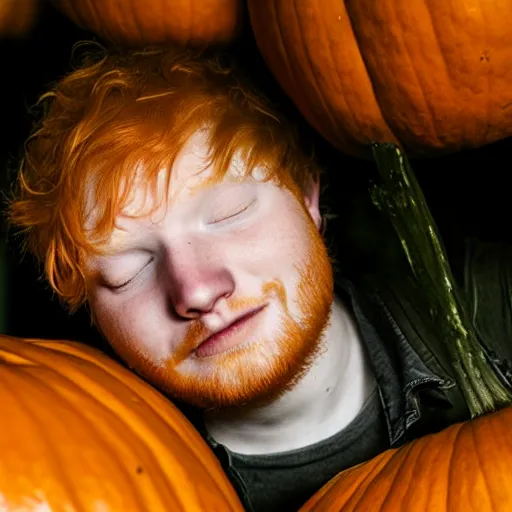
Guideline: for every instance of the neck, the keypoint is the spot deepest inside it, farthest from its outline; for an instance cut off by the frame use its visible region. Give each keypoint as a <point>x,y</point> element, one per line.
<point>323,402</point>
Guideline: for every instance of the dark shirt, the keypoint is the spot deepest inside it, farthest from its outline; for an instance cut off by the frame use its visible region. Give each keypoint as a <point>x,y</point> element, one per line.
<point>282,482</point>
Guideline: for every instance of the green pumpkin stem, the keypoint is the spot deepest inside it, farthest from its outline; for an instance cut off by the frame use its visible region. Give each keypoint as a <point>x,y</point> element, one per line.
<point>400,196</point>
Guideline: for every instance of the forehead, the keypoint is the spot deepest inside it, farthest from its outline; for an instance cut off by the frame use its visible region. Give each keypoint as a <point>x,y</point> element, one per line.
<point>190,174</point>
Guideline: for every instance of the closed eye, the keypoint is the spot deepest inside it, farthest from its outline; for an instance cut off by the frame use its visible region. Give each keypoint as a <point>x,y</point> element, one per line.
<point>221,217</point>
<point>125,283</point>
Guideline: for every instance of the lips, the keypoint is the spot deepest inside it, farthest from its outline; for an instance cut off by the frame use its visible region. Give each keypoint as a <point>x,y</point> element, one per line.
<point>226,338</point>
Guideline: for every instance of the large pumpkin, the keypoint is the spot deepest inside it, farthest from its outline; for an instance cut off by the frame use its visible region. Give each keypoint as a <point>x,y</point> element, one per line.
<point>432,76</point>
<point>17,18</point>
<point>143,22</point>
<point>80,432</point>
<point>465,467</point>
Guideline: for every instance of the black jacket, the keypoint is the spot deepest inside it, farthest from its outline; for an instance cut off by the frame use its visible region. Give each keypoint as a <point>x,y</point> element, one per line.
<point>430,397</point>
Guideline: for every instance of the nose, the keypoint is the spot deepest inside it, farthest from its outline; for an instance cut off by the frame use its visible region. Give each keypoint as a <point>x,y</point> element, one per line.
<point>196,283</point>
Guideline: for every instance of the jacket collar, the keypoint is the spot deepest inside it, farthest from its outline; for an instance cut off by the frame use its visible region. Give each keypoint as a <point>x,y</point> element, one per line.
<point>404,378</point>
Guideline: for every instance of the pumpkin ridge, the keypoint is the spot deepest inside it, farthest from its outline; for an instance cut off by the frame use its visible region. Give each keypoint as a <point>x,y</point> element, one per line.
<point>189,436</point>
<point>409,459</point>
<point>487,95</point>
<point>190,29</point>
<point>418,82</point>
<point>331,62</point>
<point>94,15</point>
<point>77,14</point>
<point>393,464</point>
<point>378,464</point>
<point>94,432</point>
<point>319,91</point>
<point>78,364</point>
<point>120,451</point>
<point>451,469</point>
<point>292,72</point>
<point>483,432</point>
<point>157,470</point>
<point>446,67</point>
<point>439,47</point>
<point>17,18</point>
<point>371,82</point>
<point>100,431</point>
<point>34,347</point>
<point>359,492</point>
<point>291,68</point>
<point>19,352</point>
<point>116,11</point>
<point>136,22</point>
<point>10,358</point>
<point>43,437</point>
<point>165,30</point>
<point>89,355</point>
<point>121,373</point>
<point>322,492</point>
<point>410,497</point>
<point>481,466</point>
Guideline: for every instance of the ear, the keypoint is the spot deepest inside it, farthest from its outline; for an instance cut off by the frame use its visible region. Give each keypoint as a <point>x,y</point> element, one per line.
<point>312,202</point>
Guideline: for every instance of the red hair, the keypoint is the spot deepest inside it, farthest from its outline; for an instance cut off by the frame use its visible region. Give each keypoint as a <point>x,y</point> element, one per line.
<point>120,112</point>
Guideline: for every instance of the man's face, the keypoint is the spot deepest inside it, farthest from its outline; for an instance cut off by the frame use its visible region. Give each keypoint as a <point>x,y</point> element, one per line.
<point>220,296</point>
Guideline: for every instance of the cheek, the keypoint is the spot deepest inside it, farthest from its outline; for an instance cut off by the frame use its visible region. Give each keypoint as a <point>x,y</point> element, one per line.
<point>268,252</point>
<point>286,236</point>
<point>282,233</point>
<point>138,330</point>
<point>108,317</point>
<point>276,251</point>
<point>121,319</point>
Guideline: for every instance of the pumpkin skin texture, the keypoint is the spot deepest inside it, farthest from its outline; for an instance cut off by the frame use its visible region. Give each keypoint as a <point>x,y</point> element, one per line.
<point>145,22</point>
<point>433,77</point>
<point>466,467</point>
<point>81,433</point>
<point>17,17</point>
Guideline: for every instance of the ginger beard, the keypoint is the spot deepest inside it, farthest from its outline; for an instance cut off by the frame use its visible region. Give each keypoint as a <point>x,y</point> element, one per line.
<point>260,371</point>
<point>264,369</point>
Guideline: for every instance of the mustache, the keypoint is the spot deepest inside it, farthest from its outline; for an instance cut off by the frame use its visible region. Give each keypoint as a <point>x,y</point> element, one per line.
<point>197,332</point>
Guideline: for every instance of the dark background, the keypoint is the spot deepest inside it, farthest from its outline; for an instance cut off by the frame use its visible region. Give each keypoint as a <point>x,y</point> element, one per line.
<point>468,193</point>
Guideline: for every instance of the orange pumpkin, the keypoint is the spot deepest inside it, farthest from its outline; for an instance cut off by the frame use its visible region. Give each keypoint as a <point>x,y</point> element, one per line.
<point>17,18</point>
<point>465,467</point>
<point>432,76</point>
<point>80,432</point>
<point>143,22</point>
